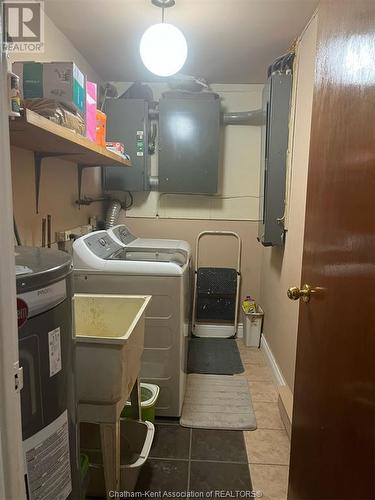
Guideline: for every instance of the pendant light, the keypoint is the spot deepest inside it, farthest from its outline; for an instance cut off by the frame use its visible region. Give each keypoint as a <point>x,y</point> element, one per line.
<point>163,47</point>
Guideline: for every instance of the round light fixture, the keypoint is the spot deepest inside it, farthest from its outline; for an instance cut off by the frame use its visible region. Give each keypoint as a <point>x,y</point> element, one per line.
<point>163,47</point>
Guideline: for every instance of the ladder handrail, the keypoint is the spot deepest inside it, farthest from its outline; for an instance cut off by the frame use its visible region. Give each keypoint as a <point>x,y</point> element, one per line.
<point>217,233</point>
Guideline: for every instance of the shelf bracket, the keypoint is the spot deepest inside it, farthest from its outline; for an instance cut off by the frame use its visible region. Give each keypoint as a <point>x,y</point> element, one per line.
<point>38,158</point>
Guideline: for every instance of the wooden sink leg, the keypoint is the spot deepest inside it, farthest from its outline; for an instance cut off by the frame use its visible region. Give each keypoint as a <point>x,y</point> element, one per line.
<point>110,441</point>
<point>135,399</point>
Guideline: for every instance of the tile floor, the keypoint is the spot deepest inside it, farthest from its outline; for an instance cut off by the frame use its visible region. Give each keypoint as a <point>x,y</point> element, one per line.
<point>184,459</point>
<point>196,460</point>
<point>268,447</point>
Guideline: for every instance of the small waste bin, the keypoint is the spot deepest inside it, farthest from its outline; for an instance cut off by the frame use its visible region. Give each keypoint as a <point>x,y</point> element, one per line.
<point>84,474</point>
<point>135,444</point>
<point>149,397</point>
<point>252,327</point>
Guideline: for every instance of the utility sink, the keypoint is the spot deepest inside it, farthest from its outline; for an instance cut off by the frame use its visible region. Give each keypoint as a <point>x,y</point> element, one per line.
<point>109,332</point>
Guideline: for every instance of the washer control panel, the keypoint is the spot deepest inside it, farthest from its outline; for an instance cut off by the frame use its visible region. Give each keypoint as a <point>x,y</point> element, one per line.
<point>123,234</point>
<point>102,245</point>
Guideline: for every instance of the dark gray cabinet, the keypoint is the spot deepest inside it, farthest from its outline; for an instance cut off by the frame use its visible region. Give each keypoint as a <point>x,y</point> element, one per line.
<point>189,138</point>
<point>188,142</point>
<point>275,136</point>
<point>127,122</point>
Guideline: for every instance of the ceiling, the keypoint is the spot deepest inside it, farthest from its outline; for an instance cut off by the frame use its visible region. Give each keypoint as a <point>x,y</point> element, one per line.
<point>229,41</point>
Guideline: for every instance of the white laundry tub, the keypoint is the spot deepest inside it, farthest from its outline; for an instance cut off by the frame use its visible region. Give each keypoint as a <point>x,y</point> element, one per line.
<point>110,338</point>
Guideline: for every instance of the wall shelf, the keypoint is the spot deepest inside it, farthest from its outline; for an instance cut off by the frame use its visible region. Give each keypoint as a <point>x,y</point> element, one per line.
<point>48,139</point>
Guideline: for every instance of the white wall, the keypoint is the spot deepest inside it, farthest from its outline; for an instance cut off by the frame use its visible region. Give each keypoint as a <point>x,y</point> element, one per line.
<point>281,268</point>
<point>58,48</point>
<point>238,196</point>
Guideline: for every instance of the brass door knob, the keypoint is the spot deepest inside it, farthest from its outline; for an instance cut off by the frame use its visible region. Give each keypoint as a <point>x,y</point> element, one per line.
<point>304,293</point>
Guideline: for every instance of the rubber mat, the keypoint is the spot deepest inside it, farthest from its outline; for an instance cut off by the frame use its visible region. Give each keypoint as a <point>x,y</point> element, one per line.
<point>218,402</point>
<point>214,356</point>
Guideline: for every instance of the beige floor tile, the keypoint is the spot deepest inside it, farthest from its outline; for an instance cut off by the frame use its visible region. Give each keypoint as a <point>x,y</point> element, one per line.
<point>255,357</point>
<point>243,347</point>
<point>240,342</point>
<point>267,447</point>
<point>258,373</point>
<point>268,415</point>
<point>272,480</point>
<point>263,391</point>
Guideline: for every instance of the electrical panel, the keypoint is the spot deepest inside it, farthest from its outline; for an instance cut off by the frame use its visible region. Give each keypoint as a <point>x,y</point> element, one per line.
<point>189,137</point>
<point>275,137</point>
<point>127,122</point>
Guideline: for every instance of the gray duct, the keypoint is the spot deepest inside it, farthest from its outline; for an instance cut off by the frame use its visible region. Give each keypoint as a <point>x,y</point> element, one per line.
<point>256,118</point>
<point>113,213</point>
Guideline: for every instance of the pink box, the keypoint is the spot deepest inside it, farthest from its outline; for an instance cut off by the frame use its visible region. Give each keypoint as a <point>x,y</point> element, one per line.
<point>91,101</point>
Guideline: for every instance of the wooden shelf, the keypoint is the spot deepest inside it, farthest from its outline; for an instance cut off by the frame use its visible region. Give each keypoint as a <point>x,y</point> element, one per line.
<point>47,139</point>
<point>36,133</point>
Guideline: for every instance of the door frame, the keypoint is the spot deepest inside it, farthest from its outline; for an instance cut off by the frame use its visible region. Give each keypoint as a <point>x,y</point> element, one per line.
<point>11,455</point>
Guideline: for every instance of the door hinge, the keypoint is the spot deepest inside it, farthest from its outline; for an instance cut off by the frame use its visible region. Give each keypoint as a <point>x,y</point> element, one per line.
<point>18,377</point>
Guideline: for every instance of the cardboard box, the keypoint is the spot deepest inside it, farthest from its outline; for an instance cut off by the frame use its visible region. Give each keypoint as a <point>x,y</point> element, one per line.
<point>91,102</point>
<point>101,128</point>
<point>61,81</point>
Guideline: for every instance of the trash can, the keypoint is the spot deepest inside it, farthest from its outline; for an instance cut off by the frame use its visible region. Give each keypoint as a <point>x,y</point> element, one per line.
<point>149,397</point>
<point>135,444</point>
<point>252,327</point>
<point>84,473</point>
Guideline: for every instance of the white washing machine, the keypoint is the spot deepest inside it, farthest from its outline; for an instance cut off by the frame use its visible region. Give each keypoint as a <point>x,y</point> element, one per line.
<point>104,265</point>
<point>123,236</point>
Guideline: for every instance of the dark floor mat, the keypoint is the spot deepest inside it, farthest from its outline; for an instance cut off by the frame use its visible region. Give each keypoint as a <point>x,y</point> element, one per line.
<point>214,356</point>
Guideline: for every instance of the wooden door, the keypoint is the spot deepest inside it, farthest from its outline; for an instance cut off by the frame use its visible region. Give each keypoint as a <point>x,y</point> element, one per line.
<point>333,435</point>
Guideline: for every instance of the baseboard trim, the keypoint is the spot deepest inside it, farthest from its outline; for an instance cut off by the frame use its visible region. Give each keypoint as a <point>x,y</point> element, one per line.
<point>285,402</point>
<point>217,331</point>
<point>285,399</point>
<point>280,380</point>
<point>284,416</point>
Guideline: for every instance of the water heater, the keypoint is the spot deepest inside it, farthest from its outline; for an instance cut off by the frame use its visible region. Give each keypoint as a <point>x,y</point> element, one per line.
<point>46,352</point>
